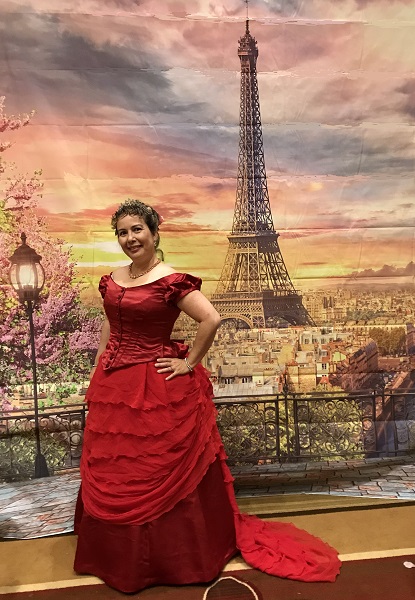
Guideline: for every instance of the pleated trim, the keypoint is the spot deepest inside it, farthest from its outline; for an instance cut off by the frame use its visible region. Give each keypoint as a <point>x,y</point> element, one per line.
<point>134,448</point>
<point>102,421</point>
<point>152,497</point>
<point>148,442</point>
<point>140,387</point>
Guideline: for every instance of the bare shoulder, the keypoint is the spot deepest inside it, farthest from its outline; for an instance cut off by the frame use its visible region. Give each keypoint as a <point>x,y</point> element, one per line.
<point>120,273</point>
<point>163,270</point>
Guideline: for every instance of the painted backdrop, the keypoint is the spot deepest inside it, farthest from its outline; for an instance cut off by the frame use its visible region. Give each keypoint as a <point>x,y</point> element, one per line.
<point>141,99</point>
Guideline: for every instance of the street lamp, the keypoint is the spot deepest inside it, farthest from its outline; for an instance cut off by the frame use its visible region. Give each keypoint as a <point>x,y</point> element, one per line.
<point>27,278</point>
<point>285,387</point>
<point>383,381</point>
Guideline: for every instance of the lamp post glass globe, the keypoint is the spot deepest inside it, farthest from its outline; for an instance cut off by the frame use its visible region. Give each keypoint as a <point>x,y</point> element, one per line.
<point>27,278</point>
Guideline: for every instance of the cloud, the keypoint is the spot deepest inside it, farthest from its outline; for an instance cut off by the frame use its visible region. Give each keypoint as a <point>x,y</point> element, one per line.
<point>284,8</point>
<point>141,99</point>
<point>361,4</point>
<point>121,70</point>
<point>184,228</point>
<point>137,151</point>
<point>175,206</point>
<point>407,89</point>
<point>349,99</point>
<point>301,233</point>
<point>314,149</point>
<point>387,271</point>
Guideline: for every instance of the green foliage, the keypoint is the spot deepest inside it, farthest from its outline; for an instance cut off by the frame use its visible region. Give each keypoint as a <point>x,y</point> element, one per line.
<point>18,451</point>
<point>390,342</point>
<point>65,389</point>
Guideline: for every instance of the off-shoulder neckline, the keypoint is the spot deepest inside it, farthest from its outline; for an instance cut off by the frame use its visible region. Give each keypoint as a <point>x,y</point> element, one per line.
<point>129,287</point>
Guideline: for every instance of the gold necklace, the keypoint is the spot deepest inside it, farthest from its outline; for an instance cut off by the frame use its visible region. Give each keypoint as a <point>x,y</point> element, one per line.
<point>130,270</point>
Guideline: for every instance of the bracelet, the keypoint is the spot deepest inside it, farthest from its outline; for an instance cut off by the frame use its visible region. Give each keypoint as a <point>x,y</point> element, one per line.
<point>187,364</point>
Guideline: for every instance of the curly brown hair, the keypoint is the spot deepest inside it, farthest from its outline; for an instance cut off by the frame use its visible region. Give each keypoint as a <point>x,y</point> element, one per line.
<point>137,208</point>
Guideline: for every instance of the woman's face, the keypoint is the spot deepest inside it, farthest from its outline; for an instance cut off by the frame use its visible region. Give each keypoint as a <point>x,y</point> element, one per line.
<point>135,238</point>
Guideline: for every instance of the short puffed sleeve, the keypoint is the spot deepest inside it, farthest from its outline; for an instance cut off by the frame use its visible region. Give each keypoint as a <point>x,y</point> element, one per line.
<point>180,287</point>
<point>103,284</point>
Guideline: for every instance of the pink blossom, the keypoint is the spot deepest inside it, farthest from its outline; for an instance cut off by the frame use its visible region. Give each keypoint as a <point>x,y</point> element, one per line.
<point>66,332</point>
<point>12,122</point>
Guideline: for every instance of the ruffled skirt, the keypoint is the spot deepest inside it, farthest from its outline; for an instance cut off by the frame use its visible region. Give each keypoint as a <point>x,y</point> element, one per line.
<point>157,503</point>
<point>189,544</point>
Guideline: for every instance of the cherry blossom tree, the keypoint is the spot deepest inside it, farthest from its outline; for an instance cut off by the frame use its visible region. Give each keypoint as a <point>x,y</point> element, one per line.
<point>66,332</point>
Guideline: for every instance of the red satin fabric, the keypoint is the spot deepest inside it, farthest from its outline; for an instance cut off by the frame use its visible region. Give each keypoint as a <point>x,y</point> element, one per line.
<point>142,318</point>
<point>149,445</point>
<point>148,442</point>
<point>189,544</point>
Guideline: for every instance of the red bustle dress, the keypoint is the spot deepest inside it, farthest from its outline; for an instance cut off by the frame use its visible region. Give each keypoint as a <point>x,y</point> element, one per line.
<point>156,504</point>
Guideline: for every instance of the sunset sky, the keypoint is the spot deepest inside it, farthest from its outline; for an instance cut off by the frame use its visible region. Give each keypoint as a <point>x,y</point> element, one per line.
<point>141,99</point>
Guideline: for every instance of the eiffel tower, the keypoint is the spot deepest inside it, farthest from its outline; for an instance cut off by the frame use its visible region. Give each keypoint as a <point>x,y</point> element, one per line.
<point>255,289</point>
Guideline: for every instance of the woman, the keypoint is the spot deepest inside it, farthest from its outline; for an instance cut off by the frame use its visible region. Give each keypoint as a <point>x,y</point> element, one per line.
<point>156,505</point>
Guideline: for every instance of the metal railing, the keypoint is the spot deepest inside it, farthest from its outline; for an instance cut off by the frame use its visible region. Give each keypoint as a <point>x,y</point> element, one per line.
<point>258,429</point>
<point>61,435</point>
<point>293,427</point>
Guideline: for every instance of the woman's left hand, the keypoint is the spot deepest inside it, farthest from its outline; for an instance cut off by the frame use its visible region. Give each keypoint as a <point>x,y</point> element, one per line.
<point>173,366</point>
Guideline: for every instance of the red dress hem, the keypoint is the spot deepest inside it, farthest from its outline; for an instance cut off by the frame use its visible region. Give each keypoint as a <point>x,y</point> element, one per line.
<point>190,544</point>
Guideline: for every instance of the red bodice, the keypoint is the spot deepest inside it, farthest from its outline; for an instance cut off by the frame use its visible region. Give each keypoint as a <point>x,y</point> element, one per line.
<point>142,318</point>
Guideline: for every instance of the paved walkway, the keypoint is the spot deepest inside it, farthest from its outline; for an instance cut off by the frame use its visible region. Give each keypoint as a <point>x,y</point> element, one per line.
<point>369,478</point>
<point>45,507</point>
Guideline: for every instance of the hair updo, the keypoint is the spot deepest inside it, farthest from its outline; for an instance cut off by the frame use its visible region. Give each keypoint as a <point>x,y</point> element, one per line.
<point>136,208</point>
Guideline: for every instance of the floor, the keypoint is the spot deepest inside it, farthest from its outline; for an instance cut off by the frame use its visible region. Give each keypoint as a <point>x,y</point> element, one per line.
<point>369,478</point>
<point>44,507</point>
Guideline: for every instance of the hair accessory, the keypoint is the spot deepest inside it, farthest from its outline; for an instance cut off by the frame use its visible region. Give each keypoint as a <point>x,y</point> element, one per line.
<point>187,364</point>
<point>130,270</point>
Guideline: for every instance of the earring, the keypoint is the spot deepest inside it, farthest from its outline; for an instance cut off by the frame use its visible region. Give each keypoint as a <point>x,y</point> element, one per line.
<point>155,243</point>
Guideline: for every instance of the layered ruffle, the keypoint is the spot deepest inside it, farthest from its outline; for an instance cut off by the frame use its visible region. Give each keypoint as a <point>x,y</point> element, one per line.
<point>148,442</point>
<point>148,445</point>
